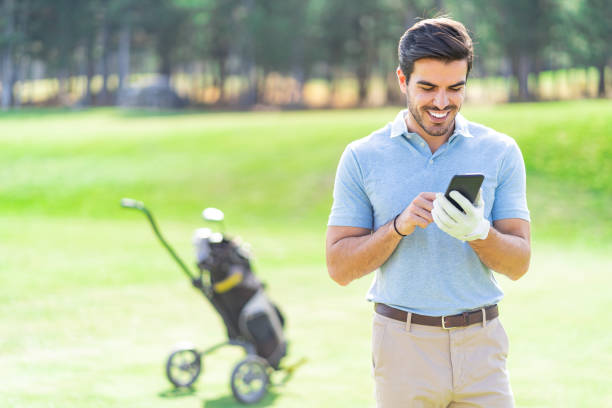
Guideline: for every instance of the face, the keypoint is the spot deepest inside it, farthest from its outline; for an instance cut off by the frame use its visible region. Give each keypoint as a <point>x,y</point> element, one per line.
<point>435,93</point>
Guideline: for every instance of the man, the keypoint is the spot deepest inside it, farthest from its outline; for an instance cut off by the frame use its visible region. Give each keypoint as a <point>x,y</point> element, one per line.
<point>436,341</point>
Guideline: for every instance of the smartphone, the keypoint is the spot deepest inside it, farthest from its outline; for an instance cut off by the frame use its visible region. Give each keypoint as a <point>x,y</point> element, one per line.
<point>467,184</point>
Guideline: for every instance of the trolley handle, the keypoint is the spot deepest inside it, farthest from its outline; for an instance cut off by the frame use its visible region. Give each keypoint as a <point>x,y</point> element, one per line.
<point>131,203</point>
<point>139,205</point>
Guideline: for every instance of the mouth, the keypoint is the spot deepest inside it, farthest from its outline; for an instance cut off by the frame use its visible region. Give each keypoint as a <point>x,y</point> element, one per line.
<point>438,116</point>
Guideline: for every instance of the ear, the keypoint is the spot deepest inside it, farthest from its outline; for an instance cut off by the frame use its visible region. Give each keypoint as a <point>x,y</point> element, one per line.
<point>401,79</point>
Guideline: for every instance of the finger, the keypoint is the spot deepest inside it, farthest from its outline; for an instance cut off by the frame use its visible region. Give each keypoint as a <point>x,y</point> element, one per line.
<point>441,218</point>
<point>423,203</point>
<point>444,218</point>
<point>423,213</point>
<point>440,223</point>
<point>479,199</point>
<point>450,209</point>
<point>429,196</point>
<point>462,201</point>
<point>438,200</point>
<point>416,219</point>
<point>438,206</point>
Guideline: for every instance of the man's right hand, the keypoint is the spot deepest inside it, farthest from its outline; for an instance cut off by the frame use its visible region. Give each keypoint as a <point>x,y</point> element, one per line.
<point>418,213</point>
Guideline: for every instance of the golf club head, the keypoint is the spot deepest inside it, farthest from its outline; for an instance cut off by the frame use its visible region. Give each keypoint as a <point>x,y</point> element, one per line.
<point>131,203</point>
<point>213,214</point>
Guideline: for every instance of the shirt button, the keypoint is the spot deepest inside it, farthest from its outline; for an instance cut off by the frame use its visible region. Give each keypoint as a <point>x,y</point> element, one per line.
<point>422,144</point>
<point>430,161</point>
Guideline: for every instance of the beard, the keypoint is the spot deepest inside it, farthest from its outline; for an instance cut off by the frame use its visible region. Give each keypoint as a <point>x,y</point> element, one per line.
<point>434,129</point>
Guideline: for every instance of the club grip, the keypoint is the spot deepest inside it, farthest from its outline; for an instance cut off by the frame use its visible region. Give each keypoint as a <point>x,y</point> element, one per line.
<point>131,203</point>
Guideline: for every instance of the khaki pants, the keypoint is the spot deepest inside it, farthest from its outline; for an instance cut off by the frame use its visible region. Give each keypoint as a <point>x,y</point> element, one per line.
<point>424,366</point>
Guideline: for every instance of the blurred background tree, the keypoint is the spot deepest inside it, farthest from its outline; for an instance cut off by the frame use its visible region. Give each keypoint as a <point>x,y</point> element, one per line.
<point>244,53</point>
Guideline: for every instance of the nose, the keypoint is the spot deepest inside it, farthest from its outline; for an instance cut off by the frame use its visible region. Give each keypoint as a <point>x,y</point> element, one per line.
<point>441,99</point>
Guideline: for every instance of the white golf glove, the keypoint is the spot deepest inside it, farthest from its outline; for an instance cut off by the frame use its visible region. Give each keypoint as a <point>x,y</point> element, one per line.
<point>465,227</point>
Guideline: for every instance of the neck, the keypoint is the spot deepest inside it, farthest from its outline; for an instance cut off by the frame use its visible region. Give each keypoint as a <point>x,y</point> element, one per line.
<point>434,142</point>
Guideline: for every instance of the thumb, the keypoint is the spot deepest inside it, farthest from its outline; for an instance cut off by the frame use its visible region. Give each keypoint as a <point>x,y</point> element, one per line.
<point>479,200</point>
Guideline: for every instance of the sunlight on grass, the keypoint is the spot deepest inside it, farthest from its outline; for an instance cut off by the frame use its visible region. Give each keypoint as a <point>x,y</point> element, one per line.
<point>91,306</point>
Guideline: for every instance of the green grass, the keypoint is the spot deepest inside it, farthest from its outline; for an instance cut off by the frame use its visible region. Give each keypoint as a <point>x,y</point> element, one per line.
<point>90,305</point>
<point>564,141</point>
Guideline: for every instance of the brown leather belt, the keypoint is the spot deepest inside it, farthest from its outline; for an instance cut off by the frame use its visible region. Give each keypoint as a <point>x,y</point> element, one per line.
<point>446,322</point>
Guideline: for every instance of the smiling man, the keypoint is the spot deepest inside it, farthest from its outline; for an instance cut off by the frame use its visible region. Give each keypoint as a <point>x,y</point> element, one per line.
<point>437,340</point>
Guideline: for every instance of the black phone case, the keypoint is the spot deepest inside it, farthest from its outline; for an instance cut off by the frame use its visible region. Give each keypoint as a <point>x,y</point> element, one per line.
<point>467,184</point>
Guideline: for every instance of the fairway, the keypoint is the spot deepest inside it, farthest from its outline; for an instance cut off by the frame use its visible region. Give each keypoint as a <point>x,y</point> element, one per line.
<point>91,305</point>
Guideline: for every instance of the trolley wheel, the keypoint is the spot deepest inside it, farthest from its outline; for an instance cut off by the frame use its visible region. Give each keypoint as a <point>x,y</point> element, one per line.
<point>183,367</point>
<point>250,380</point>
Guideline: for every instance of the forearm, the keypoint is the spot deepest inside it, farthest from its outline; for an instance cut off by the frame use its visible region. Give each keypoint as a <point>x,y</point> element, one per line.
<point>504,253</point>
<point>353,257</point>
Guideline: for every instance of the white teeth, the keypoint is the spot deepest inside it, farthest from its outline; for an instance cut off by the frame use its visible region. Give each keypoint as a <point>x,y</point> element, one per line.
<point>438,115</point>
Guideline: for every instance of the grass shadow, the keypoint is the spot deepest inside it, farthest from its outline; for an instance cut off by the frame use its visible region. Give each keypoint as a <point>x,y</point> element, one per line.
<point>177,392</point>
<point>229,401</point>
<point>155,112</point>
<point>287,373</point>
<point>36,112</point>
<point>138,112</point>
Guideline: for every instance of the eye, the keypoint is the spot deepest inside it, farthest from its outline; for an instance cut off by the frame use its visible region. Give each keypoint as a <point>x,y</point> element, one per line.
<point>456,89</point>
<point>427,88</point>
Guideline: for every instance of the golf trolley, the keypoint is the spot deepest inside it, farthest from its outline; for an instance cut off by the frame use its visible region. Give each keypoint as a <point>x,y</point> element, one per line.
<point>253,322</point>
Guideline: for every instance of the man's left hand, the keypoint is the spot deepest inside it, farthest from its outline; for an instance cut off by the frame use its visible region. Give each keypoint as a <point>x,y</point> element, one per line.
<point>466,226</point>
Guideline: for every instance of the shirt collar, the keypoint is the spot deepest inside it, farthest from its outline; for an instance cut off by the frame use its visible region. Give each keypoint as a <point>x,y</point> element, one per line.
<point>399,128</point>
<point>461,127</point>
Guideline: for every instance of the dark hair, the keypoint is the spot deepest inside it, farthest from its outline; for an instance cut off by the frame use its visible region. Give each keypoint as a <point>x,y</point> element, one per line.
<point>441,38</point>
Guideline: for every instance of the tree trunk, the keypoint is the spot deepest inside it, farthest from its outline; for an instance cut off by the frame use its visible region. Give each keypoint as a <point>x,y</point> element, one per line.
<point>394,94</point>
<point>90,70</point>
<point>7,57</point>
<point>166,67</point>
<point>362,78</point>
<point>537,68</point>
<point>222,77</point>
<point>27,74</point>
<point>601,87</point>
<point>22,63</point>
<point>62,91</point>
<point>331,80</point>
<point>17,79</point>
<point>124,54</point>
<point>105,60</point>
<point>520,70</point>
<point>523,77</point>
<point>300,77</point>
<point>297,70</point>
<point>260,90</point>
<point>249,70</point>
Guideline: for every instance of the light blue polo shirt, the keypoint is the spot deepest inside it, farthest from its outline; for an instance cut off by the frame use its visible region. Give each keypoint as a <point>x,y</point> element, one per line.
<point>430,272</point>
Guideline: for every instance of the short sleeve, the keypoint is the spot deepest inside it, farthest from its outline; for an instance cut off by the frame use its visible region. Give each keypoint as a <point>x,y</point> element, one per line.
<point>510,193</point>
<point>351,206</point>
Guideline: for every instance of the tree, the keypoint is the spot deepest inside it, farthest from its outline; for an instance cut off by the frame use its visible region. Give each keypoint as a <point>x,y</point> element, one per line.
<point>593,37</point>
<point>353,32</point>
<point>7,54</point>
<point>522,28</point>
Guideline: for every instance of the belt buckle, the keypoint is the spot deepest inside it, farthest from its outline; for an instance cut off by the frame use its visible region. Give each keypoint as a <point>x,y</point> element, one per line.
<point>444,324</point>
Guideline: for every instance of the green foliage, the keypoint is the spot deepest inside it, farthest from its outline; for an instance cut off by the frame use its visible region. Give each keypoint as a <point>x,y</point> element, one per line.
<point>592,20</point>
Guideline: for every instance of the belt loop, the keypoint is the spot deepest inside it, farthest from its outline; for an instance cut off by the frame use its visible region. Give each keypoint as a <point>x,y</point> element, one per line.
<point>484,317</point>
<point>408,321</point>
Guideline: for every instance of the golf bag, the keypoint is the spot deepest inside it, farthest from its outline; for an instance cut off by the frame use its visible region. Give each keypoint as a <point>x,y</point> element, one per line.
<point>239,296</point>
